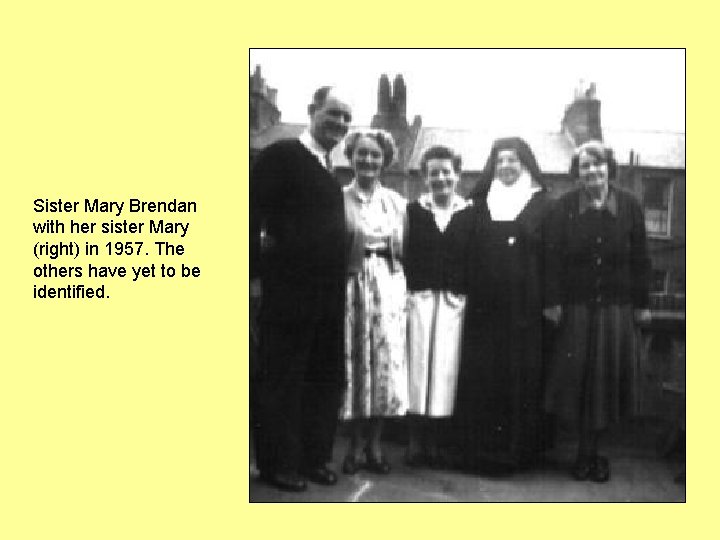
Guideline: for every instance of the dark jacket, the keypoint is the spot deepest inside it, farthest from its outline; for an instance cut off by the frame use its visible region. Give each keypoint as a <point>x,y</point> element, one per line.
<point>299,205</point>
<point>596,256</point>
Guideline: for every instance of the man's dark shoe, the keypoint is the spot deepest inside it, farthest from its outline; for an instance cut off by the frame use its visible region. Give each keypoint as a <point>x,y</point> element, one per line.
<point>287,482</point>
<point>321,475</point>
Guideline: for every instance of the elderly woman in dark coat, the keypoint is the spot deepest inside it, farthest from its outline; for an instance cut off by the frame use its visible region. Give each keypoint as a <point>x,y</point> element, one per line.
<point>498,408</point>
<point>597,288</point>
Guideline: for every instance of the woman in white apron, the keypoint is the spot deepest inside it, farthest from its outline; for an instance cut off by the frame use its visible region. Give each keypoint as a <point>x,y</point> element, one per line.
<point>435,309</point>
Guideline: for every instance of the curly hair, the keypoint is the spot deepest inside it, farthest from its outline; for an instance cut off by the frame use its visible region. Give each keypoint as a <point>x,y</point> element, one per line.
<point>382,138</point>
<point>440,152</point>
<point>599,151</point>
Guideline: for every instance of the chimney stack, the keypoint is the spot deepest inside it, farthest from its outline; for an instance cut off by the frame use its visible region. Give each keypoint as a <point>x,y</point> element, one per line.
<point>391,109</point>
<point>263,103</point>
<point>581,121</point>
<point>400,97</point>
<point>383,107</point>
<point>392,116</point>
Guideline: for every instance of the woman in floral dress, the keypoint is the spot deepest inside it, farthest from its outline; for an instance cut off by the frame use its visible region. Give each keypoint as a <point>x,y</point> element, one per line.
<point>375,318</point>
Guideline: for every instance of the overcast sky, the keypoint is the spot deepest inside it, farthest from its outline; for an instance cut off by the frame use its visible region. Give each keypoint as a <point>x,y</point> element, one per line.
<point>499,90</point>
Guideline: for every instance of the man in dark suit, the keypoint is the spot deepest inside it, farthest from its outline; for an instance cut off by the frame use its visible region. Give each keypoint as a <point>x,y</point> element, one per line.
<point>297,266</point>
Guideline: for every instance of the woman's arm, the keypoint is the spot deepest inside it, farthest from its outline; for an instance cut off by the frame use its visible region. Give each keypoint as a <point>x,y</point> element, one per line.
<point>554,240</point>
<point>399,226</point>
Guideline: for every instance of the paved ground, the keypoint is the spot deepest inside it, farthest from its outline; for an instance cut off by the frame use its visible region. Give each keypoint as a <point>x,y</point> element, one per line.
<point>640,474</point>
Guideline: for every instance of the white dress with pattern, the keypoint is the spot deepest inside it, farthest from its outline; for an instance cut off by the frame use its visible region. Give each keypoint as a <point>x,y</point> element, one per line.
<point>375,321</point>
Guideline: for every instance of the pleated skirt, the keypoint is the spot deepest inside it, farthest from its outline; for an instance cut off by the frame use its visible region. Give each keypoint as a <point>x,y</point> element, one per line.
<point>592,375</point>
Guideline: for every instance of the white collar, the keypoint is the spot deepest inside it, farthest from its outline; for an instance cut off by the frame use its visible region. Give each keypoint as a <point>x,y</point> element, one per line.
<point>458,203</point>
<point>442,215</point>
<point>506,202</point>
<point>309,142</point>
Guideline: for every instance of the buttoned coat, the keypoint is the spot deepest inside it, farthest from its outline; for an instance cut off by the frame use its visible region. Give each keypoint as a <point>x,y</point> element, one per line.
<point>596,256</point>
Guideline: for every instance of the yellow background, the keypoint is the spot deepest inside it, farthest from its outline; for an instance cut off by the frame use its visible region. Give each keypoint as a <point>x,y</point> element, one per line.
<point>127,418</point>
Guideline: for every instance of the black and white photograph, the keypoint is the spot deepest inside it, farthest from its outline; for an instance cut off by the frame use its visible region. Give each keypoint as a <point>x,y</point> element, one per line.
<point>467,275</point>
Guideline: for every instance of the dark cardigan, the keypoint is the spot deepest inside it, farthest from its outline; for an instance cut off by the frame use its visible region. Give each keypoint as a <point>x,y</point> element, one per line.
<point>596,256</point>
<point>431,256</point>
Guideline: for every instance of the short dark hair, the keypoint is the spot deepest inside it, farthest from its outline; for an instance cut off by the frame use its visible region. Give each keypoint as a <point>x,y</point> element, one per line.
<point>383,138</point>
<point>320,96</point>
<point>599,151</point>
<point>440,152</point>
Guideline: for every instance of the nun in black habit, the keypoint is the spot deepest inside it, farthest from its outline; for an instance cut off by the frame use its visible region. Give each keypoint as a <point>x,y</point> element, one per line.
<point>498,405</point>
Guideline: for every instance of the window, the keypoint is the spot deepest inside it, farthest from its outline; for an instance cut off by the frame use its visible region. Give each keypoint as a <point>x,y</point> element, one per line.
<point>658,283</point>
<point>657,202</point>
